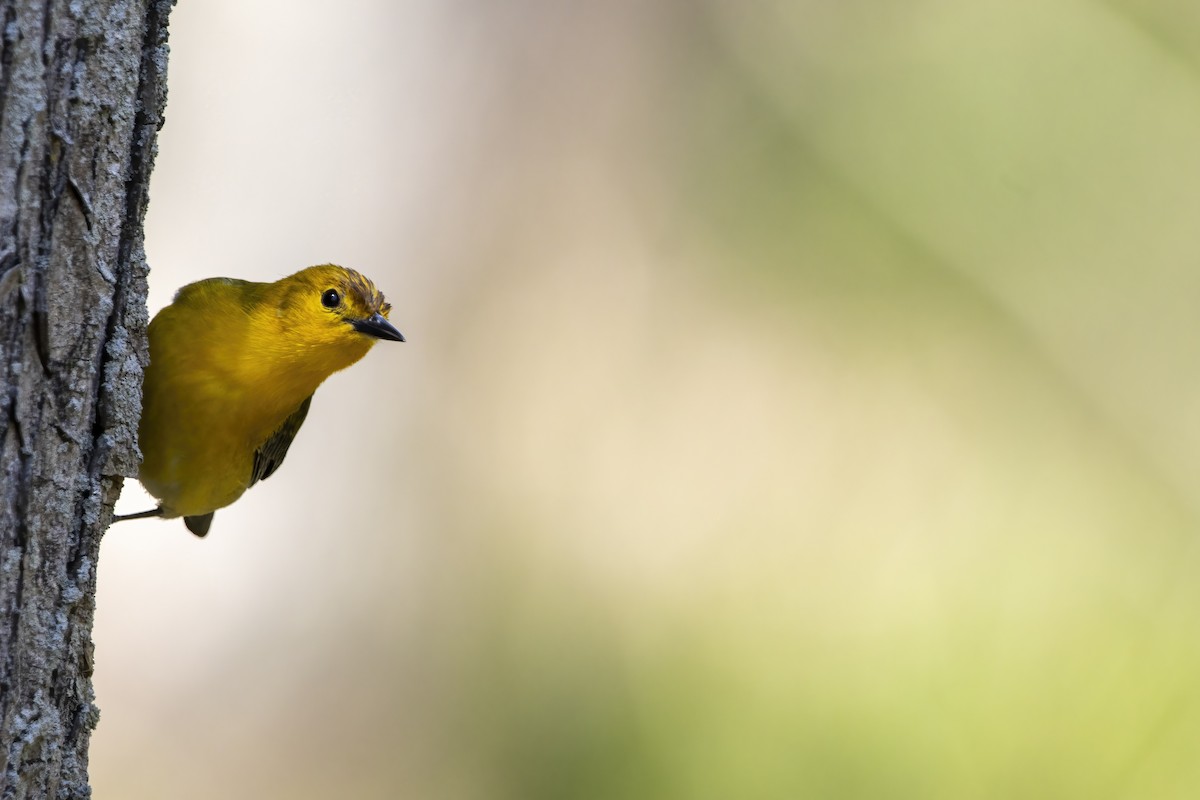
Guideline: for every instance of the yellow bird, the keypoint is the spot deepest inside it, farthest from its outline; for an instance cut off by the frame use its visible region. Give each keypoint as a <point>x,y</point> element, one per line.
<point>233,368</point>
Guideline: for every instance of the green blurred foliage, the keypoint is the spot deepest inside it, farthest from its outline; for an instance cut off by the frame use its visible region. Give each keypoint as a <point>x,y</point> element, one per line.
<point>806,405</point>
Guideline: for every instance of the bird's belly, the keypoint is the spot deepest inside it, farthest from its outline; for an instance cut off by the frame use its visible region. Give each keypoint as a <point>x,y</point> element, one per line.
<point>195,474</point>
<point>196,454</point>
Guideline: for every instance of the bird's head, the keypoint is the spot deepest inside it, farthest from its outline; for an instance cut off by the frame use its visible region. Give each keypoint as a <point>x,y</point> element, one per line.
<point>339,303</point>
<point>333,309</point>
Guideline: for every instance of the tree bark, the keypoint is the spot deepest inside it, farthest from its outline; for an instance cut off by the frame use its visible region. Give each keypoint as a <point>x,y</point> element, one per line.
<point>82,90</point>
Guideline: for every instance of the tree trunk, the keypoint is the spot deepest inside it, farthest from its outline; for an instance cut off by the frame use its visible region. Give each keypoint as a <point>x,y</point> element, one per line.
<point>82,89</point>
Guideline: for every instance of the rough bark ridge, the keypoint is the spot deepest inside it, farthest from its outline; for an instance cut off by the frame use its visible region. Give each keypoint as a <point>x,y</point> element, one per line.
<point>82,89</point>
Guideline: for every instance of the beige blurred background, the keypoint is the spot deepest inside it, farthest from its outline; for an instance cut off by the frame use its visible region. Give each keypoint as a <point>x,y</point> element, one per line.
<point>801,400</point>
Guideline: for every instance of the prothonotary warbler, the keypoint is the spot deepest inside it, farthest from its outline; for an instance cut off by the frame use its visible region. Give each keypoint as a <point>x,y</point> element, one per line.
<point>233,368</point>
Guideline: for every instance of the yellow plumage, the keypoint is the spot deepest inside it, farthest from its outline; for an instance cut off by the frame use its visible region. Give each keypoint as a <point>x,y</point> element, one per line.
<point>233,365</point>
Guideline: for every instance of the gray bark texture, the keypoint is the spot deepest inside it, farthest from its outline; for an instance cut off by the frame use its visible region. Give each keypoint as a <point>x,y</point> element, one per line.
<point>82,90</point>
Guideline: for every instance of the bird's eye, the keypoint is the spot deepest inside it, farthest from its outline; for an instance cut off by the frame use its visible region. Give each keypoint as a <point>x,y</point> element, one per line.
<point>331,298</point>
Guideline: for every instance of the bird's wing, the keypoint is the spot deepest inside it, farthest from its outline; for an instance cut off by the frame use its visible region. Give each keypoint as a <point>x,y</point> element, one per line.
<point>270,453</point>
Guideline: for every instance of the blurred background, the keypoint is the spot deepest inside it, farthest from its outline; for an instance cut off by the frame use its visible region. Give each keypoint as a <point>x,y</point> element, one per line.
<point>801,400</point>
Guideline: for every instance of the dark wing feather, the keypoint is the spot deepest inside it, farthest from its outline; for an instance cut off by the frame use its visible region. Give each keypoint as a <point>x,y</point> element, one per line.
<point>270,453</point>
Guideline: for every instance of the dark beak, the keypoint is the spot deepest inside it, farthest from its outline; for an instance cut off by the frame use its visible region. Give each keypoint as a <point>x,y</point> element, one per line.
<point>375,325</point>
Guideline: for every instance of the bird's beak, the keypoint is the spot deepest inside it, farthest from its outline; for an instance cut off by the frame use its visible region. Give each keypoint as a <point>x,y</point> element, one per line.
<point>375,325</point>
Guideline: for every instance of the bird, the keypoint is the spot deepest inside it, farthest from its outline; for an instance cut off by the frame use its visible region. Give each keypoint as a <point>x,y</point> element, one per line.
<point>233,368</point>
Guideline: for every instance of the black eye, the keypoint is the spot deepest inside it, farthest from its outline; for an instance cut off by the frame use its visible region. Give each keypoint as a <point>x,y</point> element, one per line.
<point>331,298</point>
